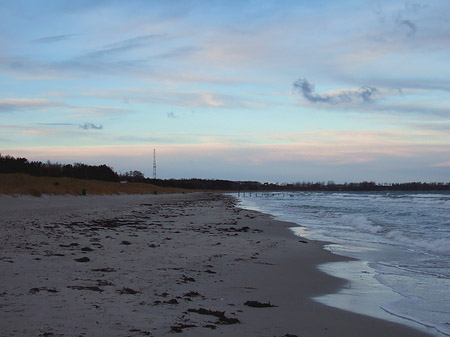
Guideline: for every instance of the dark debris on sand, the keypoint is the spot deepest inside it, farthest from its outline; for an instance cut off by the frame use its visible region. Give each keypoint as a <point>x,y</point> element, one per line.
<point>192,294</point>
<point>91,288</point>
<point>186,279</point>
<point>36,290</point>
<point>178,328</point>
<point>257,304</point>
<point>129,291</point>
<point>219,314</point>
<point>104,270</point>
<point>141,332</point>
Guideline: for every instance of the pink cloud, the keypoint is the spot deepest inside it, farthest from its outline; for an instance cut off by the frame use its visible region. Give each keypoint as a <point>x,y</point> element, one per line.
<point>12,104</point>
<point>445,164</point>
<point>284,162</point>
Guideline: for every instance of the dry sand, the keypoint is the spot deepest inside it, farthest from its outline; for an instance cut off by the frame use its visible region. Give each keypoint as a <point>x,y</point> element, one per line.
<point>163,265</point>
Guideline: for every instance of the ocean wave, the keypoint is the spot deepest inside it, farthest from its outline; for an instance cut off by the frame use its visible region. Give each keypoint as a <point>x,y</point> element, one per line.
<point>399,313</point>
<point>412,269</point>
<point>410,232</point>
<point>365,225</point>
<point>438,246</point>
<point>362,223</point>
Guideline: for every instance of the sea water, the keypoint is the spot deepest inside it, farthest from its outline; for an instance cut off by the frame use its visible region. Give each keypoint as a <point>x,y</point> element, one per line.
<point>402,242</point>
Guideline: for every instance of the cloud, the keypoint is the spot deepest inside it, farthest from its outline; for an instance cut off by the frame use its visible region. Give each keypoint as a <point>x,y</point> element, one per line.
<point>180,98</point>
<point>85,126</point>
<point>307,89</point>
<point>413,83</point>
<point>90,126</point>
<point>14,104</point>
<point>172,115</point>
<point>101,110</point>
<point>411,26</point>
<point>180,52</point>
<point>439,127</point>
<point>91,64</point>
<point>39,104</point>
<point>395,15</point>
<point>412,108</point>
<point>140,139</point>
<point>88,64</point>
<point>58,124</point>
<point>123,46</point>
<point>54,38</point>
<point>363,94</point>
<point>54,94</point>
<point>445,164</point>
<point>376,99</point>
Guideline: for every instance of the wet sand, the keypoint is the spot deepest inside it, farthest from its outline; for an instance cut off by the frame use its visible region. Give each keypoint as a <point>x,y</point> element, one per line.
<point>164,265</point>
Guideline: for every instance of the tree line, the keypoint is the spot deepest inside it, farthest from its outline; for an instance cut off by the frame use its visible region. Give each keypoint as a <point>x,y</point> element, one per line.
<point>365,186</point>
<point>9,164</point>
<point>208,184</point>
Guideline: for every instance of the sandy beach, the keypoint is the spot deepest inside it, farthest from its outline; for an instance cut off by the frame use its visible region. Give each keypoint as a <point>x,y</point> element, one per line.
<point>164,265</point>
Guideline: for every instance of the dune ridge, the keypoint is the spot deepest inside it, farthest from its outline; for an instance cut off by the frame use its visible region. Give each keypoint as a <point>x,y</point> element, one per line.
<point>24,184</point>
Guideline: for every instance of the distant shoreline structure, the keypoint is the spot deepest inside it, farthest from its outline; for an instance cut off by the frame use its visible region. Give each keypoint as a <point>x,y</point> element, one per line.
<point>9,164</point>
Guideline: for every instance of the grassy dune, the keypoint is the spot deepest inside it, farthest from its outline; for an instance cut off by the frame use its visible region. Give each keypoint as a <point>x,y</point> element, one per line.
<point>16,184</point>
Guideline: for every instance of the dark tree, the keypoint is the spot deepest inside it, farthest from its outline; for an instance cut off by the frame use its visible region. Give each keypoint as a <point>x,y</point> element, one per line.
<point>10,164</point>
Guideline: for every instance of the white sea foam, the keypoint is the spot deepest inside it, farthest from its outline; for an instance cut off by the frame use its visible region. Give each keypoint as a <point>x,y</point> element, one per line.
<point>437,246</point>
<point>397,313</point>
<point>412,269</point>
<point>440,246</point>
<point>441,327</point>
<point>361,222</point>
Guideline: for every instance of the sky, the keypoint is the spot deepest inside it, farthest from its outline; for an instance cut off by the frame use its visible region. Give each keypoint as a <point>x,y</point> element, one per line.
<point>273,91</point>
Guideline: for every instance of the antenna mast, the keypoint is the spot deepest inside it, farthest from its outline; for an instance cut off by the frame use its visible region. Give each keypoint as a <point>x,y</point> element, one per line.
<point>154,164</point>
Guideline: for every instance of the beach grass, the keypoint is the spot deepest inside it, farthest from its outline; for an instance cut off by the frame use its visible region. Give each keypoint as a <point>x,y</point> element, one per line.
<point>24,184</point>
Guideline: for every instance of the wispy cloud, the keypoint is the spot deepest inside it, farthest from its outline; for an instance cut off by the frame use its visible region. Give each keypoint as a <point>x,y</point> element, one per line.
<point>39,104</point>
<point>410,82</point>
<point>371,99</point>
<point>400,15</point>
<point>172,115</point>
<point>179,52</point>
<point>364,94</point>
<point>444,164</point>
<point>123,46</point>
<point>411,108</point>
<point>84,126</point>
<point>101,110</point>
<point>180,98</point>
<point>58,124</point>
<point>90,126</point>
<point>85,65</point>
<point>14,104</point>
<point>54,94</point>
<point>53,38</point>
<point>412,28</point>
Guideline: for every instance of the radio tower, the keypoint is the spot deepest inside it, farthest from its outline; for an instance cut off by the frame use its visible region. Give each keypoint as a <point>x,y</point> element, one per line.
<point>154,164</point>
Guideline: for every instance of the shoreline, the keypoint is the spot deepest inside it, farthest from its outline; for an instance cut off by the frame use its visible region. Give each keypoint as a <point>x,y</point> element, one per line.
<point>374,298</point>
<point>158,265</point>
